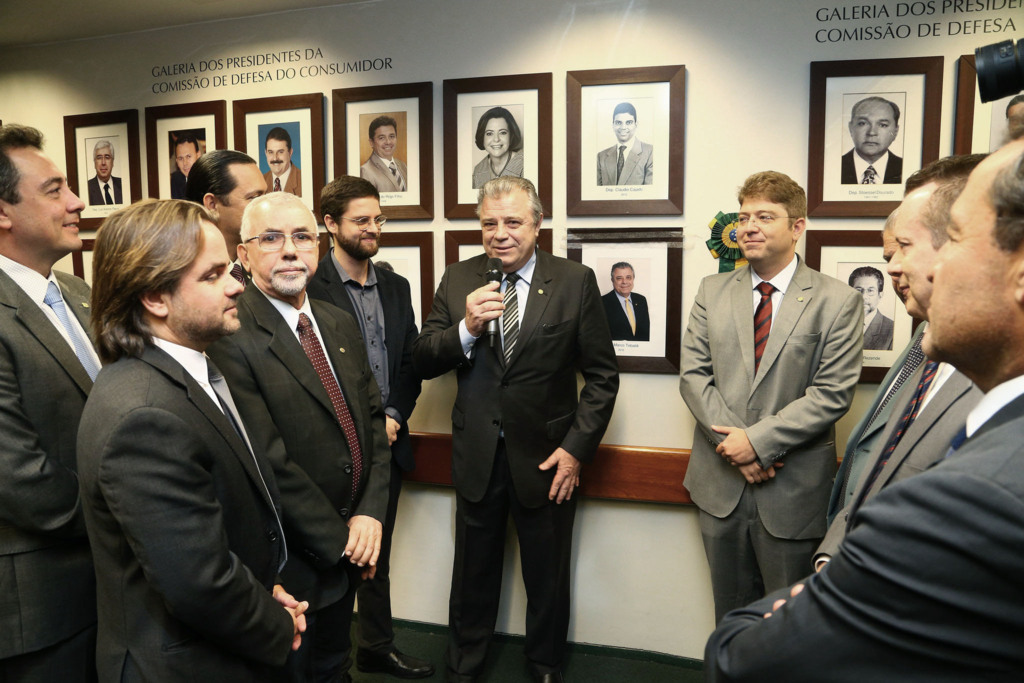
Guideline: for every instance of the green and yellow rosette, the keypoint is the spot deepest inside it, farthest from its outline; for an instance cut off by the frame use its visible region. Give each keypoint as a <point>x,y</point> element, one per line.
<point>722,244</point>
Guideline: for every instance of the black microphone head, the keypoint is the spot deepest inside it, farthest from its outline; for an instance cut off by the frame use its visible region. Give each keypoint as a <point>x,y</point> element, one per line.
<point>494,267</point>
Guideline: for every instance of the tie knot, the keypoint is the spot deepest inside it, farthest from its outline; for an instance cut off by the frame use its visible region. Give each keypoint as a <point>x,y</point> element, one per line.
<point>622,148</point>
<point>512,278</point>
<point>52,294</point>
<point>765,288</point>
<point>304,323</point>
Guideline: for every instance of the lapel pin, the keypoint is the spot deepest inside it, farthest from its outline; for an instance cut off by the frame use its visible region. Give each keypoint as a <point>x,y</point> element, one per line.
<point>799,298</point>
<point>85,304</point>
<point>342,349</point>
<point>540,291</point>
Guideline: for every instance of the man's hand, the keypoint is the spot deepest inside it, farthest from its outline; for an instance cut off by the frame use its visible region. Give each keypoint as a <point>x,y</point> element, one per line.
<point>297,611</point>
<point>392,426</point>
<point>736,446</point>
<point>364,543</point>
<point>754,474</point>
<point>567,477</point>
<point>482,306</point>
<point>793,592</point>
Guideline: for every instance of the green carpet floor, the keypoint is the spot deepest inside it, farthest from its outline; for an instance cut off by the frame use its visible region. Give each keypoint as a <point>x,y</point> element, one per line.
<point>506,664</point>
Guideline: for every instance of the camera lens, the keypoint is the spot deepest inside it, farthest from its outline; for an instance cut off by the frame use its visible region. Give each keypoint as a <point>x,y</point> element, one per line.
<point>1000,69</point>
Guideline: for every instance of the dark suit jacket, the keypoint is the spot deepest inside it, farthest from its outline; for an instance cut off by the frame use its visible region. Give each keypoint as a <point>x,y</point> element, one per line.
<point>893,170</point>
<point>618,323</point>
<point>926,586</point>
<point>178,183</point>
<point>96,191</point>
<point>43,388</point>
<point>184,532</point>
<point>789,408</point>
<point>282,401</point>
<point>637,167</point>
<point>533,399</point>
<point>863,438</point>
<point>399,333</point>
<point>878,334</point>
<point>926,441</point>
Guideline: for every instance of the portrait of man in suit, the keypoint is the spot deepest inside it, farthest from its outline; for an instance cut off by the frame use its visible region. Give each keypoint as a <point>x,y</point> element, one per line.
<point>945,610</point>
<point>382,168</point>
<point>283,174</point>
<point>764,451</point>
<point>180,501</point>
<point>48,610</point>
<point>511,452</point>
<point>878,327</point>
<point>186,152</point>
<point>380,301</point>
<point>629,161</point>
<point>299,373</point>
<point>874,125</point>
<point>104,187</point>
<point>628,316</point>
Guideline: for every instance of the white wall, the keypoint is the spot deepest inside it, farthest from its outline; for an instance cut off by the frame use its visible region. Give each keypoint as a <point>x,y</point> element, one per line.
<point>640,575</point>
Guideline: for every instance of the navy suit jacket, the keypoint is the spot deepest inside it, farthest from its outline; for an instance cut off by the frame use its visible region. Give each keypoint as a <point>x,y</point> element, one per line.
<point>399,332</point>
<point>618,323</point>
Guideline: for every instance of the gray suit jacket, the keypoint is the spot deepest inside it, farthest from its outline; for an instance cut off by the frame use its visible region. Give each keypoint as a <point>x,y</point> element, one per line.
<point>925,588</point>
<point>637,169</point>
<point>804,384</point>
<point>43,388</point>
<point>878,334</point>
<point>533,398</point>
<point>863,438</point>
<point>925,442</point>
<point>377,172</point>
<point>282,400</point>
<point>185,536</point>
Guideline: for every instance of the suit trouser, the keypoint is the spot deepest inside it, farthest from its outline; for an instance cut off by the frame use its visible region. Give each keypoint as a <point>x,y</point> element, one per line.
<point>746,561</point>
<point>375,631</point>
<point>545,544</point>
<point>72,660</point>
<point>327,643</point>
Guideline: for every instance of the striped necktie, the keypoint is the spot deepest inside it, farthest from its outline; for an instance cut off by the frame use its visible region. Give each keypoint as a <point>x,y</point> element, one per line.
<point>762,321</point>
<point>510,318</point>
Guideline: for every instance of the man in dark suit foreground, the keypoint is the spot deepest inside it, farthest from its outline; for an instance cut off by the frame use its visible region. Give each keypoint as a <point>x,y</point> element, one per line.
<point>926,586</point>
<point>380,302</point>
<point>628,316</point>
<point>47,364</point>
<point>180,505</point>
<point>519,431</point>
<point>299,374</point>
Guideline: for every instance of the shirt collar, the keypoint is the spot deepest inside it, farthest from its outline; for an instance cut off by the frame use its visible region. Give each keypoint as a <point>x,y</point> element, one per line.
<point>860,165</point>
<point>33,284</point>
<point>193,361</point>
<point>780,281</point>
<point>526,272</point>
<point>992,402</point>
<point>371,275</point>
<point>289,312</point>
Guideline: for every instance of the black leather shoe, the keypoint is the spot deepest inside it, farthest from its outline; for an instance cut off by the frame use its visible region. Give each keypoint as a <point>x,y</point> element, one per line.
<point>552,677</point>
<point>393,663</point>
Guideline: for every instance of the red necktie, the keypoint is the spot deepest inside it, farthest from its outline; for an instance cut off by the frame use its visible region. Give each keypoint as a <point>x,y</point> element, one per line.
<point>238,274</point>
<point>277,184</point>
<point>762,321</point>
<point>311,345</point>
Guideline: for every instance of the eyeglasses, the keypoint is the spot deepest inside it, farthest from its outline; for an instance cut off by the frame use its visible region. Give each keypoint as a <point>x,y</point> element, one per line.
<point>274,241</point>
<point>364,222</point>
<point>763,219</point>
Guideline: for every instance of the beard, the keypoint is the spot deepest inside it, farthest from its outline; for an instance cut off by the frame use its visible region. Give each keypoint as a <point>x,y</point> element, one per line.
<point>359,250</point>
<point>290,285</point>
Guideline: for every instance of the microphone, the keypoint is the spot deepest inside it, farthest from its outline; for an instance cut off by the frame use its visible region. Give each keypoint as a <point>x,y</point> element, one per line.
<point>494,274</point>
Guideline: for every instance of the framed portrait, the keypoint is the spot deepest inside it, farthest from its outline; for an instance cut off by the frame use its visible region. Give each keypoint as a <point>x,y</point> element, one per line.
<point>460,245</point>
<point>102,153</point>
<point>286,137</point>
<point>78,263</point>
<point>855,257</point>
<point>645,266</point>
<point>625,141</point>
<point>384,134</point>
<point>500,125</point>
<point>873,122</point>
<point>979,126</point>
<point>176,136</point>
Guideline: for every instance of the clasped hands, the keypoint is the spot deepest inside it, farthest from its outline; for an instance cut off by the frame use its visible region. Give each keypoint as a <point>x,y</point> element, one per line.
<point>737,449</point>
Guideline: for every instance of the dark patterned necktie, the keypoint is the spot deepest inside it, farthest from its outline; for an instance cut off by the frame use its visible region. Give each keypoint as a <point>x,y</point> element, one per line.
<point>238,274</point>
<point>277,184</point>
<point>315,353</point>
<point>869,176</point>
<point>762,321</point>
<point>913,361</point>
<point>907,419</point>
<point>619,164</point>
<point>510,317</point>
